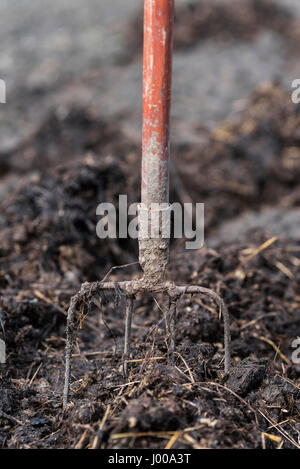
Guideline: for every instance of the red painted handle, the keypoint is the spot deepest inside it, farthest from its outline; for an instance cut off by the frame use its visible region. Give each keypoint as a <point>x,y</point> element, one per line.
<point>158,28</point>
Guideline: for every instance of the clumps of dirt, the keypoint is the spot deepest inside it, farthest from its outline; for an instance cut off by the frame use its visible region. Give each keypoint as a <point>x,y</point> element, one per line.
<point>49,246</point>
<point>249,162</point>
<point>261,296</point>
<point>239,20</point>
<point>87,413</point>
<point>246,163</point>
<point>234,20</point>
<point>50,226</point>
<point>246,376</point>
<point>190,396</point>
<point>66,133</point>
<point>146,414</point>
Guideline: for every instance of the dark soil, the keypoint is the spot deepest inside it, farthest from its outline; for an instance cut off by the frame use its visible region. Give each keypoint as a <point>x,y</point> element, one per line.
<point>224,22</point>
<point>48,247</point>
<point>264,305</point>
<point>248,163</point>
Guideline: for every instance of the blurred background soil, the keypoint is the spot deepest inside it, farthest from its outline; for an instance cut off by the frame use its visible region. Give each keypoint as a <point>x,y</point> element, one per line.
<point>70,139</point>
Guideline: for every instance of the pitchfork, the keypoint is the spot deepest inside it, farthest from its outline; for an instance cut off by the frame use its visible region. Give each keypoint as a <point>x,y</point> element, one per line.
<point>153,250</point>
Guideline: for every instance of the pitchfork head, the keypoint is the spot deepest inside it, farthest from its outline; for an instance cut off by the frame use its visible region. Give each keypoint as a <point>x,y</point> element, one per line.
<point>153,259</point>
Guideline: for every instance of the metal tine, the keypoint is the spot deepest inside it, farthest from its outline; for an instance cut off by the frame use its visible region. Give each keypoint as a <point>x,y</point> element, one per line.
<point>71,337</point>
<point>127,336</point>
<point>172,316</point>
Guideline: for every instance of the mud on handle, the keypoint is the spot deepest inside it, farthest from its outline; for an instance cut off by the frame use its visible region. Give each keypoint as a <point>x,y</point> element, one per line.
<point>154,239</point>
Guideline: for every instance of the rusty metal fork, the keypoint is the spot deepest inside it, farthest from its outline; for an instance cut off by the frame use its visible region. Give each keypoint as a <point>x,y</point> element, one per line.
<point>153,248</point>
